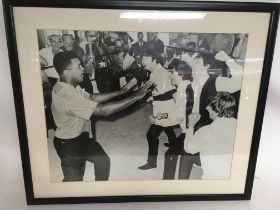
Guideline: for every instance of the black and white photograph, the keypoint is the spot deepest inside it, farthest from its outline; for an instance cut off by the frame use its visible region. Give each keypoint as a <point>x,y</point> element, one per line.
<point>140,105</point>
<point>119,101</point>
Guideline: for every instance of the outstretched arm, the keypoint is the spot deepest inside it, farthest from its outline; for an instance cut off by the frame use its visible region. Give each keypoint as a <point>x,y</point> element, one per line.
<point>232,84</point>
<point>110,108</point>
<point>103,97</point>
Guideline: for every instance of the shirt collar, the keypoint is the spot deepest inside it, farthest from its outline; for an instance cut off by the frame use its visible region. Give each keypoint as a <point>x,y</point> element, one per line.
<point>68,86</point>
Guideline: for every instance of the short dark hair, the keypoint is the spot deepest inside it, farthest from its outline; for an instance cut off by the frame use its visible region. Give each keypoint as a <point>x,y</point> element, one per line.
<point>223,104</point>
<point>62,61</point>
<point>160,58</point>
<point>180,65</point>
<point>174,63</point>
<point>191,43</point>
<point>140,33</point>
<point>65,35</point>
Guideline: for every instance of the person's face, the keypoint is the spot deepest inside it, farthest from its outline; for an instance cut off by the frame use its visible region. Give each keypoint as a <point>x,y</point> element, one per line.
<point>120,58</point>
<point>169,54</point>
<point>155,35</point>
<point>218,48</point>
<point>55,44</point>
<point>175,77</point>
<point>212,114</point>
<point>191,48</point>
<point>140,37</point>
<point>147,62</point>
<point>91,37</point>
<point>76,71</point>
<point>138,60</point>
<point>68,43</point>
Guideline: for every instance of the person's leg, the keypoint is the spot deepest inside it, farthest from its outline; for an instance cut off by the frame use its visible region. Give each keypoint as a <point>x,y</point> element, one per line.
<point>170,162</point>
<point>72,159</point>
<point>153,142</point>
<point>100,159</point>
<point>171,135</point>
<point>171,157</point>
<point>186,164</point>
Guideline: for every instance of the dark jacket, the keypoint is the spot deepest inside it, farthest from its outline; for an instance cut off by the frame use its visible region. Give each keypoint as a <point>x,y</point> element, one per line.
<point>154,48</point>
<point>136,49</point>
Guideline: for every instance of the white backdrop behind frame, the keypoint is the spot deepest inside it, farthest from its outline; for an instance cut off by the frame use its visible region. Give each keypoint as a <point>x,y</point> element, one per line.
<point>213,22</point>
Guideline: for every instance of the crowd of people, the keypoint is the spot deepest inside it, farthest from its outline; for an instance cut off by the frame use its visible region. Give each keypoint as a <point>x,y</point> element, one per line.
<point>196,87</point>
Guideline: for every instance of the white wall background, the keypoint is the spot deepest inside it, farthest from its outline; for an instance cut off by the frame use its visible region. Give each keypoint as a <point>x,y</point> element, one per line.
<point>266,191</point>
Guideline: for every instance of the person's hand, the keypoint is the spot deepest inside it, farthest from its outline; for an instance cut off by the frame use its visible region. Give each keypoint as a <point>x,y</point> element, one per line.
<point>150,99</point>
<point>130,85</point>
<point>193,119</point>
<point>222,56</point>
<point>152,119</point>
<point>161,116</point>
<point>144,90</point>
<point>147,86</point>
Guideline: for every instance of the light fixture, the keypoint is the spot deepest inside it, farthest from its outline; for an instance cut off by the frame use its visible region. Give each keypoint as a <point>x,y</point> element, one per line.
<point>155,15</point>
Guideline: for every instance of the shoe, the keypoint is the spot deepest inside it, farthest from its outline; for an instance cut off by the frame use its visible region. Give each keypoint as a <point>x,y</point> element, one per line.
<point>147,166</point>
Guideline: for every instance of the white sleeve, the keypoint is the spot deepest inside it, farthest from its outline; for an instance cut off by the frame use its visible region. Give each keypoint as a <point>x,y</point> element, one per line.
<point>195,143</point>
<point>127,61</point>
<point>232,84</point>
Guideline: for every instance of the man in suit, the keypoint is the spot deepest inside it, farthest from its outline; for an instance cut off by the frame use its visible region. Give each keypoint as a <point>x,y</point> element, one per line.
<point>155,46</point>
<point>139,47</point>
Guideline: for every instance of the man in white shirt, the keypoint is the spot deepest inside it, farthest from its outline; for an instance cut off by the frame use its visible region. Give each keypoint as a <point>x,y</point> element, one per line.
<point>205,87</point>
<point>160,77</point>
<point>72,108</point>
<point>48,53</point>
<point>190,53</point>
<point>181,78</point>
<point>49,75</point>
<point>214,142</point>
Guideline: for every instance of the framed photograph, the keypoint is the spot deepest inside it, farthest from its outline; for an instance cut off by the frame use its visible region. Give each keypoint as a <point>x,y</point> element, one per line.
<point>126,101</point>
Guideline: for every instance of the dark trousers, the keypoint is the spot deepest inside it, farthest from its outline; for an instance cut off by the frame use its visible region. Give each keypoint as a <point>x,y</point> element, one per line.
<point>153,141</point>
<point>175,149</point>
<point>186,164</point>
<point>75,152</point>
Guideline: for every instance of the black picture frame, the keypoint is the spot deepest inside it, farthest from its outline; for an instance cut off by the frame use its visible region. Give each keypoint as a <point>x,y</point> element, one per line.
<point>8,6</point>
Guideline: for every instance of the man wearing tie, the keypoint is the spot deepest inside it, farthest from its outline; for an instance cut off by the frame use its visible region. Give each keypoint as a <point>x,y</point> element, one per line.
<point>139,47</point>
